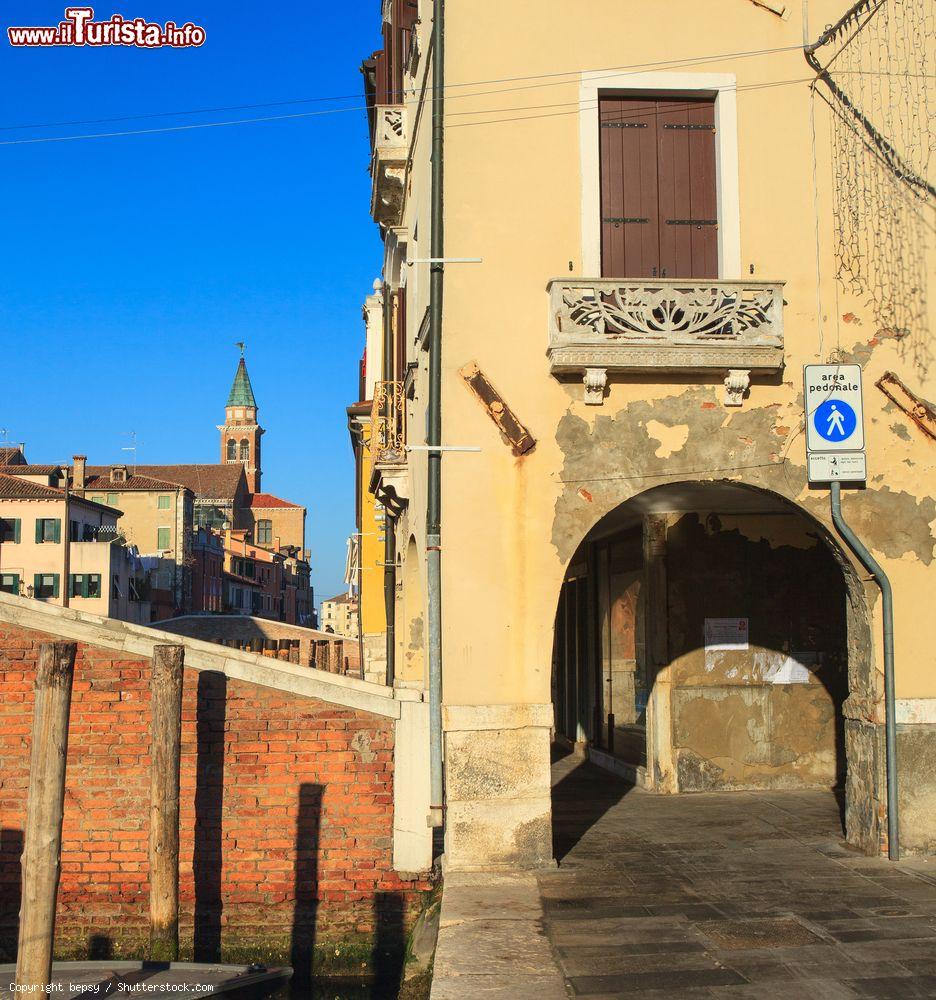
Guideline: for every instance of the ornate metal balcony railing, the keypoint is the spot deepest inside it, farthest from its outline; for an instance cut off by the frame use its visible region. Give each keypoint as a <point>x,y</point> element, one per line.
<point>388,424</point>
<point>631,326</point>
<point>388,166</point>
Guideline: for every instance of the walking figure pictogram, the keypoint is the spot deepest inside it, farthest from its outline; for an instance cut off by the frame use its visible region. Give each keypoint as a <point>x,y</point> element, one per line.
<point>835,423</point>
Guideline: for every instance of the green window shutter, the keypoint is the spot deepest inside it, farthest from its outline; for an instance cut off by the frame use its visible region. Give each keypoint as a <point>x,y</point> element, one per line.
<point>56,531</point>
<point>37,583</point>
<point>71,584</point>
<point>55,584</point>
<point>38,530</point>
<point>16,532</point>
<point>16,580</point>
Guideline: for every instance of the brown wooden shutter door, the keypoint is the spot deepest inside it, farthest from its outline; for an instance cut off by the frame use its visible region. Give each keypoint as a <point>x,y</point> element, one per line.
<point>688,204</point>
<point>658,190</point>
<point>629,205</point>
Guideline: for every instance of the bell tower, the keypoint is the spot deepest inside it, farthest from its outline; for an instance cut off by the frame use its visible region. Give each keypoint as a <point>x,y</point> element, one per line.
<point>240,432</point>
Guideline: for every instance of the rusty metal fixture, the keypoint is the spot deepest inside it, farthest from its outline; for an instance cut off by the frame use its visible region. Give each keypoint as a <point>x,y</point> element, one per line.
<point>920,411</point>
<point>514,433</point>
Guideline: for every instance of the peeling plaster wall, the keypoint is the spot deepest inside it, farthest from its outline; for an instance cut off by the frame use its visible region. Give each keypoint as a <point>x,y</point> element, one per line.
<point>736,723</point>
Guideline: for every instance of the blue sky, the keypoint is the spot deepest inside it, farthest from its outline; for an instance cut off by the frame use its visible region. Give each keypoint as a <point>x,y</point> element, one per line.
<point>129,266</point>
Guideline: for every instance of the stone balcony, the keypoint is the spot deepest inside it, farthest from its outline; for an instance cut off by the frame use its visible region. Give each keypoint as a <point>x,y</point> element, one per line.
<point>388,164</point>
<point>390,471</point>
<point>599,326</point>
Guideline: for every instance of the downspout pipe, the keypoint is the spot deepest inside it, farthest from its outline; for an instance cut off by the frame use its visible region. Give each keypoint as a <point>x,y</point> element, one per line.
<point>389,560</point>
<point>890,716</point>
<point>434,422</point>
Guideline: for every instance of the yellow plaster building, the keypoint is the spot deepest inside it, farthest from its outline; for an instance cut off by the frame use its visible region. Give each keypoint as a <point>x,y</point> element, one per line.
<point>655,215</point>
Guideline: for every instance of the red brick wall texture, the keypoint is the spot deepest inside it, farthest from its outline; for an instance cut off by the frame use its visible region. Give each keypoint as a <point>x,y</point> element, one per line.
<point>286,815</point>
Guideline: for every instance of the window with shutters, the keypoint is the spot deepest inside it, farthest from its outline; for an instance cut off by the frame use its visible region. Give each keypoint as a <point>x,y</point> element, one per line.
<point>659,203</point>
<point>48,529</point>
<point>163,538</point>
<point>9,583</point>
<point>46,585</point>
<point>9,529</point>
<point>85,585</point>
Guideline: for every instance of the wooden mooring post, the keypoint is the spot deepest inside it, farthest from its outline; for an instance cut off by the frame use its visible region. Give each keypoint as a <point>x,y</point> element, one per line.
<point>164,802</point>
<point>45,806</point>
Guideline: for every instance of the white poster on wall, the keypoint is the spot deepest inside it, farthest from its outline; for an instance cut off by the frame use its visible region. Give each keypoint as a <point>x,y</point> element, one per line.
<point>726,633</point>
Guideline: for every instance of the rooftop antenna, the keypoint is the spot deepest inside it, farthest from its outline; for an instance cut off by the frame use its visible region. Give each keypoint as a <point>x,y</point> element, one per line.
<point>132,447</point>
<point>5,443</point>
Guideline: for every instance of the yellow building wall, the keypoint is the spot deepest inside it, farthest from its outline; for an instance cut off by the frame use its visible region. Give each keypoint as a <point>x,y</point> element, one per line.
<point>373,607</point>
<point>514,189</point>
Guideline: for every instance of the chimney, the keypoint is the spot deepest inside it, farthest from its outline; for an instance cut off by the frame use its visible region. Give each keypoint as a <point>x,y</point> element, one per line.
<point>79,472</point>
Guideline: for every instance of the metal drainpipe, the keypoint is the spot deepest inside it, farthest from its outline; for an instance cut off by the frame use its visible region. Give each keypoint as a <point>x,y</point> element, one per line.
<point>389,537</point>
<point>890,713</point>
<point>434,436</point>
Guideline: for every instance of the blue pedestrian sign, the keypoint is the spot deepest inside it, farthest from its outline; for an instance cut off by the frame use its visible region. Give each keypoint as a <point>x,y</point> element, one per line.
<point>834,423</point>
<point>835,420</point>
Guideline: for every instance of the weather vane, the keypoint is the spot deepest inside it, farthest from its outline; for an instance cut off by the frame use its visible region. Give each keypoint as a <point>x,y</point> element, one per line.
<point>241,345</point>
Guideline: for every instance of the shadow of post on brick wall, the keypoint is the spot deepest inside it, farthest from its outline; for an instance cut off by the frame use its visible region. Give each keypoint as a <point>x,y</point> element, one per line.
<point>211,713</point>
<point>11,890</point>
<point>308,824</point>
<point>389,943</point>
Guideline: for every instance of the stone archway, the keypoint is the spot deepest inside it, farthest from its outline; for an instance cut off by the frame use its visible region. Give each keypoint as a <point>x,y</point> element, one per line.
<point>647,680</point>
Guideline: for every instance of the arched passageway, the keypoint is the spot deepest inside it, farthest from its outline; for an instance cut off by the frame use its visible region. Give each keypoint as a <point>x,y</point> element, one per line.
<point>702,644</point>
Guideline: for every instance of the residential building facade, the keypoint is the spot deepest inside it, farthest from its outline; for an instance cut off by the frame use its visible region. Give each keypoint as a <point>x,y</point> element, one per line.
<point>340,615</point>
<point>157,519</point>
<point>207,571</point>
<point>638,264</point>
<point>67,550</point>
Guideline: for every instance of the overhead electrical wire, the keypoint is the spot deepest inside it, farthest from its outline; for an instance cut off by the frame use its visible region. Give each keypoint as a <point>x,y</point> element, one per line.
<point>550,80</point>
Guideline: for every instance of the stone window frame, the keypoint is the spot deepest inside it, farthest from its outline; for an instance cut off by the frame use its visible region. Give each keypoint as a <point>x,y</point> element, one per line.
<point>722,87</point>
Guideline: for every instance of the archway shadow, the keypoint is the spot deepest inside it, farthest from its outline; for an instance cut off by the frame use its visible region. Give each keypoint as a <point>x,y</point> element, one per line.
<point>580,798</point>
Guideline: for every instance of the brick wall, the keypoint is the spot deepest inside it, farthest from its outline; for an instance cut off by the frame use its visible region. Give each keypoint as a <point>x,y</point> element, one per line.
<point>286,820</point>
<point>220,628</point>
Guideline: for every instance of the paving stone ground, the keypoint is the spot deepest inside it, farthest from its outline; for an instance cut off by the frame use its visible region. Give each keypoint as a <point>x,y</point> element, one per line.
<point>740,895</point>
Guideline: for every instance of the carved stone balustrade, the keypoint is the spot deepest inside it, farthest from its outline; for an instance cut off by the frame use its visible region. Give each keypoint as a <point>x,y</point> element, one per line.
<point>388,165</point>
<point>599,326</point>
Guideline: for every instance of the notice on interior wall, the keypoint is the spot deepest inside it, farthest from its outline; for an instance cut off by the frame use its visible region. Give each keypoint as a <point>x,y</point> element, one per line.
<point>794,668</point>
<point>726,633</point>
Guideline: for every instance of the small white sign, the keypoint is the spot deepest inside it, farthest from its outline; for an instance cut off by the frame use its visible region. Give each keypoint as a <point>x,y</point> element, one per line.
<point>849,467</point>
<point>834,410</point>
<point>726,633</point>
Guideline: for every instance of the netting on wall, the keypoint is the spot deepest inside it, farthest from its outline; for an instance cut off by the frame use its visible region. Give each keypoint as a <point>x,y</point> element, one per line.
<point>874,75</point>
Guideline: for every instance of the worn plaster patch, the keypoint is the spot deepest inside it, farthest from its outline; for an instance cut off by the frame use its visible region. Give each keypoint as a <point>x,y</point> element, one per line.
<point>362,743</point>
<point>901,431</point>
<point>890,521</point>
<point>611,457</point>
<point>670,439</point>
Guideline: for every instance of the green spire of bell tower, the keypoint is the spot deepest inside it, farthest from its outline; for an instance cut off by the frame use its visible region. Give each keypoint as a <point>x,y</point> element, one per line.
<point>241,391</point>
